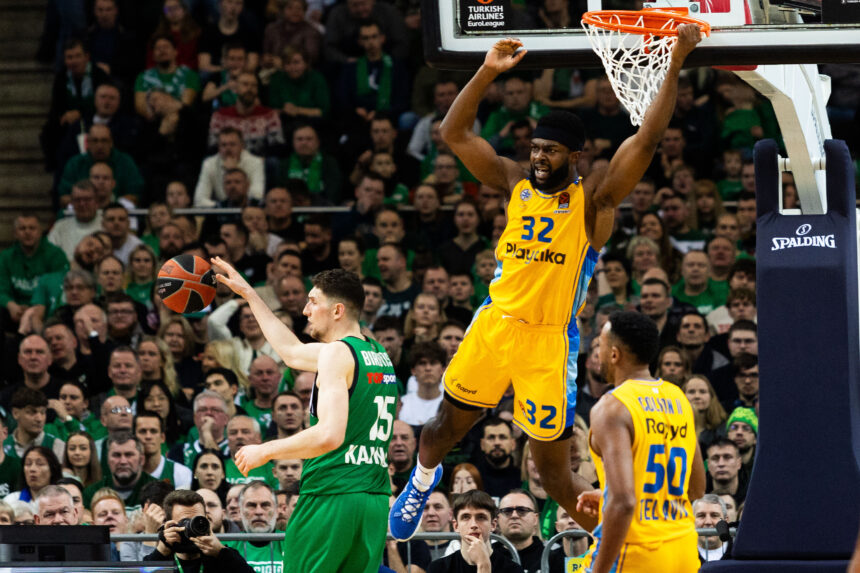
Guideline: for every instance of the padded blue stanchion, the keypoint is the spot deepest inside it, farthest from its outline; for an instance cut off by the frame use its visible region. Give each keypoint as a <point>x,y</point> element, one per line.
<point>804,497</point>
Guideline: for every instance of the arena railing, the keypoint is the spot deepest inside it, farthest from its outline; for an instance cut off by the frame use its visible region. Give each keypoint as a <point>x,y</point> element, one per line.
<point>279,536</point>
<point>579,533</point>
<point>441,536</point>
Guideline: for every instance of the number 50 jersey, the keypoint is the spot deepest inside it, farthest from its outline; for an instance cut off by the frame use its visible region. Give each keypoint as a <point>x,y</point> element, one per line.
<point>544,259</point>
<point>664,447</point>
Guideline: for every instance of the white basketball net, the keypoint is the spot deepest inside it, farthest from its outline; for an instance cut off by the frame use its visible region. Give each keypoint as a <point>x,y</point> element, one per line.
<point>636,64</point>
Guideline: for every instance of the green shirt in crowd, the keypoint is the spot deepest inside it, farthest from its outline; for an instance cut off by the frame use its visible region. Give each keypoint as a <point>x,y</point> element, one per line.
<point>19,272</point>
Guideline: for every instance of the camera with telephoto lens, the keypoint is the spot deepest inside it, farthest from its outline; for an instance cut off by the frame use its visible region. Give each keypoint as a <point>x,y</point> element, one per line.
<point>197,526</point>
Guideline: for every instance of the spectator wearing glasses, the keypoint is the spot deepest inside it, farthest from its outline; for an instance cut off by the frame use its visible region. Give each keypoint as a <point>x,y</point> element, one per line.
<point>742,428</point>
<point>746,383</point>
<point>518,523</point>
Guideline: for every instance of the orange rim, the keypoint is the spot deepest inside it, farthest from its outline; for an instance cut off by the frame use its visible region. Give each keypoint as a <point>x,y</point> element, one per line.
<point>655,21</point>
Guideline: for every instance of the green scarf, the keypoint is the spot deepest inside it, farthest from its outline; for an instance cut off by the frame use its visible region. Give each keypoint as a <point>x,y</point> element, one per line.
<point>312,174</point>
<point>383,88</point>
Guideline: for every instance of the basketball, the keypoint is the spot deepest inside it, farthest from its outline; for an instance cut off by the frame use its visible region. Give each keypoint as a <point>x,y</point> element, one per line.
<point>186,284</point>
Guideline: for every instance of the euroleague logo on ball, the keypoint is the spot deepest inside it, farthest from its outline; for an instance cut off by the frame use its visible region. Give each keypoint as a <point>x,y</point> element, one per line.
<point>186,284</point>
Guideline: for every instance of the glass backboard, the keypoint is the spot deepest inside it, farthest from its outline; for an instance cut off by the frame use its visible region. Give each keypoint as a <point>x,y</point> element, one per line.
<point>457,33</point>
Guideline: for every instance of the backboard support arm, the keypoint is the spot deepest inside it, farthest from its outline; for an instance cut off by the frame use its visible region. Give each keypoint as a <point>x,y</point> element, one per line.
<point>799,95</point>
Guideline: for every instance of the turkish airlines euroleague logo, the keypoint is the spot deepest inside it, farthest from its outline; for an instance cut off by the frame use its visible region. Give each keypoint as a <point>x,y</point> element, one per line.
<point>483,14</point>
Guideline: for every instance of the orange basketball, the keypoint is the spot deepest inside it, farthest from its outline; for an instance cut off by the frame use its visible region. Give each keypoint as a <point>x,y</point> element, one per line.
<point>186,284</point>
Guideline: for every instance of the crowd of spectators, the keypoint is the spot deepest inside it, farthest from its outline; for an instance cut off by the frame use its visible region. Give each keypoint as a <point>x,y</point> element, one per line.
<point>268,106</point>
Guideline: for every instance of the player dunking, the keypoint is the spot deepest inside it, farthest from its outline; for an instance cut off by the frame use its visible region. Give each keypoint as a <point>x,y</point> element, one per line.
<point>525,332</point>
<point>339,521</point>
<point>644,446</point>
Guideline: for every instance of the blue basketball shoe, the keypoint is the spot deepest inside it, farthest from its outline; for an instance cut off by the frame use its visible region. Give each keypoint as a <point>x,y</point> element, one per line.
<point>405,514</point>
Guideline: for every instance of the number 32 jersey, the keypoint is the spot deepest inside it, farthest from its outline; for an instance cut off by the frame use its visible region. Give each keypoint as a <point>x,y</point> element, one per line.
<point>360,464</point>
<point>664,447</point>
<point>545,261</point>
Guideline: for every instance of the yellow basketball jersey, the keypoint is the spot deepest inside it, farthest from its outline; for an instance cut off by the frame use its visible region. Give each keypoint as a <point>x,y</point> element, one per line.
<point>664,446</point>
<point>544,259</point>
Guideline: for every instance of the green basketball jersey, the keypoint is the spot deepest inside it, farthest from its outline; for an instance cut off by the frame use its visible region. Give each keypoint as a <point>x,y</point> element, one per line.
<point>360,464</point>
<point>266,559</point>
<point>262,473</point>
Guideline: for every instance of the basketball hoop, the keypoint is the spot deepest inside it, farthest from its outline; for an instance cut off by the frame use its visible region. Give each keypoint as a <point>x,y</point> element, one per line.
<point>635,47</point>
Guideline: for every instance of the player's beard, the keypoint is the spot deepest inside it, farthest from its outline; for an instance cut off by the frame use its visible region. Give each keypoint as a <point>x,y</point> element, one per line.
<point>555,179</point>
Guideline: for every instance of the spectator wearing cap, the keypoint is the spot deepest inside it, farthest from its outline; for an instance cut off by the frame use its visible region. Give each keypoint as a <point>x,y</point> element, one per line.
<point>29,410</point>
<point>742,428</point>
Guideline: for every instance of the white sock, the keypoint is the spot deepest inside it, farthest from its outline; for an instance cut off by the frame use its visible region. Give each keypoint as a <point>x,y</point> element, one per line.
<point>423,477</point>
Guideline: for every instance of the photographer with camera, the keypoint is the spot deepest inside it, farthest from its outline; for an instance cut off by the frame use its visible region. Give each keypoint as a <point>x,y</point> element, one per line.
<point>187,538</point>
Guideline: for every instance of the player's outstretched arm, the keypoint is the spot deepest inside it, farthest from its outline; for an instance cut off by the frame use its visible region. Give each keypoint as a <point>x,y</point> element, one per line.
<point>292,351</point>
<point>612,438</point>
<point>475,152</point>
<point>335,375</point>
<point>606,189</point>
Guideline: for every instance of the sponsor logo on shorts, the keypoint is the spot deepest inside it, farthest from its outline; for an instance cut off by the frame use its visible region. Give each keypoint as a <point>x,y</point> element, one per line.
<point>535,255</point>
<point>465,390</point>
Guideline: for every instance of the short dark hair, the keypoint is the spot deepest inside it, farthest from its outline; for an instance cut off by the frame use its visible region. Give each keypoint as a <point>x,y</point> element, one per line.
<point>746,266</point>
<point>286,394</point>
<point>475,499</point>
<point>388,322</point>
<point>228,375</point>
<point>183,497</point>
<point>428,350</point>
<point>496,421</point>
<point>155,492</point>
<point>149,414</point>
<point>741,294</point>
<point>231,131</point>
<point>372,281</point>
<point>721,442</point>
<point>746,195</point>
<point>25,397</point>
<point>655,281</point>
<point>637,332</point>
<point>524,492</point>
<point>743,324</point>
<point>118,297</point>
<point>745,361</point>
<point>123,437</point>
<point>342,286</point>
<point>71,481</point>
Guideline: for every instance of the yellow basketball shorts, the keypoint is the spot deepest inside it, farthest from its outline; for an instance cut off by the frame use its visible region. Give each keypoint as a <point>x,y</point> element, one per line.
<point>676,556</point>
<point>540,361</point>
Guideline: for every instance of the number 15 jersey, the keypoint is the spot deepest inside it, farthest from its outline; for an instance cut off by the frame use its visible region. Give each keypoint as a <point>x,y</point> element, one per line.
<point>545,261</point>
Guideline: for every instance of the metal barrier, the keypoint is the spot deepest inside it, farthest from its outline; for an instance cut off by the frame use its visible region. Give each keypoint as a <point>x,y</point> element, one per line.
<point>579,533</point>
<point>279,536</point>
